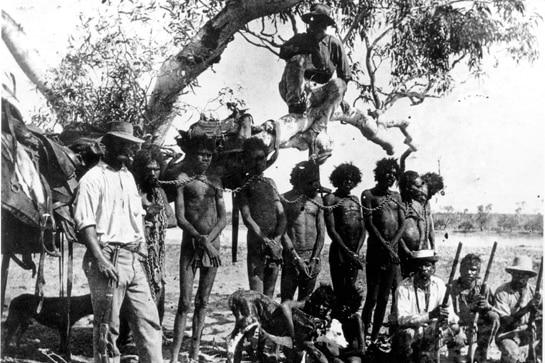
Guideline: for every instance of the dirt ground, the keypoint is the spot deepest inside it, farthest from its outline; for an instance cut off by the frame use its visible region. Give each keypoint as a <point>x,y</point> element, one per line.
<point>39,342</point>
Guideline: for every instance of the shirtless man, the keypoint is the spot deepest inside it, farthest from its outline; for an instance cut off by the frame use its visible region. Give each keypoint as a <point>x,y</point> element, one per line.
<point>384,220</point>
<point>200,212</point>
<point>304,237</point>
<point>412,239</point>
<point>263,215</point>
<point>345,227</point>
<point>432,183</point>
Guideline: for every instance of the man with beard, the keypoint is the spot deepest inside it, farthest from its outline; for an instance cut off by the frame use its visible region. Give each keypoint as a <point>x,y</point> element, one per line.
<point>418,308</point>
<point>200,212</point>
<point>305,232</point>
<point>108,215</point>
<point>263,215</point>
<point>384,220</point>
<point>159,216</point>
<point>345,227</point>
<point>467,300</point>
<point>514,301</point>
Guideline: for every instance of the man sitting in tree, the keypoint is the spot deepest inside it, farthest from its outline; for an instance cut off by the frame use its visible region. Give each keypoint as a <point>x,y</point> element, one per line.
<point>384,219</point>
<point>200,212</point>
<point>263,215</point>
<point>345,227</point>
<point>305,232</point>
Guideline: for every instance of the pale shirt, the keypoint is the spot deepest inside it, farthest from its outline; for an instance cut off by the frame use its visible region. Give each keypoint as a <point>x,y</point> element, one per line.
<point>413,312</point>
<point>507,301</point>
<point>109,200</point>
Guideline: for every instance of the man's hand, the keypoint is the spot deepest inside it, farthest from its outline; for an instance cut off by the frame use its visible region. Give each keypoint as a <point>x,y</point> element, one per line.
<point>355,260</point>
<point>301,267</point>
<point>107,269</point>
<point>393,256</point>
<point>314,267</point>
<point>439,312</point>
<point>535,303</point>
<point>211,251</point>
<point>482,304</point>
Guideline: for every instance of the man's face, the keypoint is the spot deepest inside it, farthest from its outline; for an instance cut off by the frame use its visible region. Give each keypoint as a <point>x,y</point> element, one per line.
<point>347,185</point>
<point>389,177</point>
<point>469,272</point>
<point>519,279</point>
<point>202,159</point>
<point>121,151</point>
<point>151,172</point>
<point>311,186</point>
<point>423,193</point>
<point>425,270</point>
<point>416,189</point>
<point>256,161</point>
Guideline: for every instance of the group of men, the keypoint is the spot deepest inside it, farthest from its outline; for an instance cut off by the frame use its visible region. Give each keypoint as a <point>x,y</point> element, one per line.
<point>122,224</point>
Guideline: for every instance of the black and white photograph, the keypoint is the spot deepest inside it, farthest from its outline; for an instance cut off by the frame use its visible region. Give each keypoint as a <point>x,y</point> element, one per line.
<point>210,181</point>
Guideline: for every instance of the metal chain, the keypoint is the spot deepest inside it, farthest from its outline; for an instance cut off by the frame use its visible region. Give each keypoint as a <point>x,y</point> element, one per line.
<point>182,182</point>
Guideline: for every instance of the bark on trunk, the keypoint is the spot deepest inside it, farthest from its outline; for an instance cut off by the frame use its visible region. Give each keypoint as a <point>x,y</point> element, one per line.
<point>26,56</point>
<point>204,50</point>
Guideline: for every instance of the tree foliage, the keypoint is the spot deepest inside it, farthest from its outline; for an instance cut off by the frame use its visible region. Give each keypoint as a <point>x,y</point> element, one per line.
<point>134,58</point>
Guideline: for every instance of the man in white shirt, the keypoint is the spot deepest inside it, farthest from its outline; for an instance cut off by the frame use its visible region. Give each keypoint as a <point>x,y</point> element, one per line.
<point>109,219</point>
<point>419,300</point>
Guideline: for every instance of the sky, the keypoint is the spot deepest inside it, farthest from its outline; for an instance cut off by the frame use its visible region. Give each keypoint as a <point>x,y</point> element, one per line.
<point>487,136</point>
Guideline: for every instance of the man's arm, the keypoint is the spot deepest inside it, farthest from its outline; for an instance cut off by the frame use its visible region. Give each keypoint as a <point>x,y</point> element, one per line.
<point>247,218</point>
<point>281,220</point>
<point>221,221</point>
<point>179,206</point>
<point>341,61</point>
<point>296,45</point>
<point>88,236</point>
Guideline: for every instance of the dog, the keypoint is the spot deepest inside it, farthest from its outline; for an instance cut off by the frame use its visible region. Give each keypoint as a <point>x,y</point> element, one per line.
<point>23,309</point>
<point>253,310</point>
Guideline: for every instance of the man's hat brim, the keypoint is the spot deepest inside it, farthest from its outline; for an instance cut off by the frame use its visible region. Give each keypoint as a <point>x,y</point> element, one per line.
<point>125,136</point>
<point>517,269</point>
<point>425,259</point>
<point>307,18</point>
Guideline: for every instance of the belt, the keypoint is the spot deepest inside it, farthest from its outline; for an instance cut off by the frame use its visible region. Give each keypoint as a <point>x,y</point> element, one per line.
<point>133,247</point>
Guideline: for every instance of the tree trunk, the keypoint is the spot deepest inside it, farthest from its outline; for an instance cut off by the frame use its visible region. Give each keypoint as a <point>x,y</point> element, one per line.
<point>204,50</point>
<point>26,56</point>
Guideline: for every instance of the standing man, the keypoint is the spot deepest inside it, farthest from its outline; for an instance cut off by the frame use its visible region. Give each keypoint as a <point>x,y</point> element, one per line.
<point>467,300</point>
<point>418,306</point>
<point>159,216</point>
<point>514,301</point>
<point>345,227</point>
<point>108,215</point>
<point>200,212</point>
<point>263,215</point>
<point>312,59</point>
<point>305,232</point>
<point>384,219</point>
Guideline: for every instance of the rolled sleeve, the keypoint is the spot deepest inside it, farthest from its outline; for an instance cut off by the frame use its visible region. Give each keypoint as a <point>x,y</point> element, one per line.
<point>85,205</point>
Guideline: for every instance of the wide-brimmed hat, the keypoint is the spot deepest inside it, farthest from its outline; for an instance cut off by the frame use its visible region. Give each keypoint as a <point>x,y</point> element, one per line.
<point>319,12</point>
<point>424,255</point>
<point>123,130</point>
<point>522,264</point>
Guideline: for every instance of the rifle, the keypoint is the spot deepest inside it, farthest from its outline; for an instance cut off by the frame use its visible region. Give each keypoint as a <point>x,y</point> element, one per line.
<point>532,357</point>
<point>472,336</point>
<point>104,327</point>
<point>446,297</point>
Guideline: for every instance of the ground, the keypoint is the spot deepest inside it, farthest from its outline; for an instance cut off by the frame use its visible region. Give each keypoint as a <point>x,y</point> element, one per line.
<point>40,341</point>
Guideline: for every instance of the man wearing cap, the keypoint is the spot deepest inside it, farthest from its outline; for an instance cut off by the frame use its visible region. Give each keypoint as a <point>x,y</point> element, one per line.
<point>312,59</point>
<point>108,214</point>
<point>514,301</point>
<point>418,307</point>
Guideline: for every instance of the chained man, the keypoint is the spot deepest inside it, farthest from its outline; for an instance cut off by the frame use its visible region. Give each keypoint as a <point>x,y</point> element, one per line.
<point>384,220</point>
<point>305,232</point>
<point>108,214</point>
<point>263,215</point>
<point>345,227</point>
<point>200,213</point>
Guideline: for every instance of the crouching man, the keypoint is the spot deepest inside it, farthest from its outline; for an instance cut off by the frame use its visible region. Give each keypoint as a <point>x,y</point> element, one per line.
<point>418,308</point>
<point>467,301</point>
<point>516,302</point>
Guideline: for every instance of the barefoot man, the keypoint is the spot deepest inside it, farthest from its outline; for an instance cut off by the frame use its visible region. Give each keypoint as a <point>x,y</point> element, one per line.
<point>345,227</point>
<point>304,237</point>
<point>263,215</point>
<point>384,219</point>
<point>200,212</point>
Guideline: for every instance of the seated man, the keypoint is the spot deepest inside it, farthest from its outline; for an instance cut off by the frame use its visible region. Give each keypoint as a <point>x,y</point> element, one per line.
<point>467,300</point>
<point>419,308</point>
<point>515,301</point>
